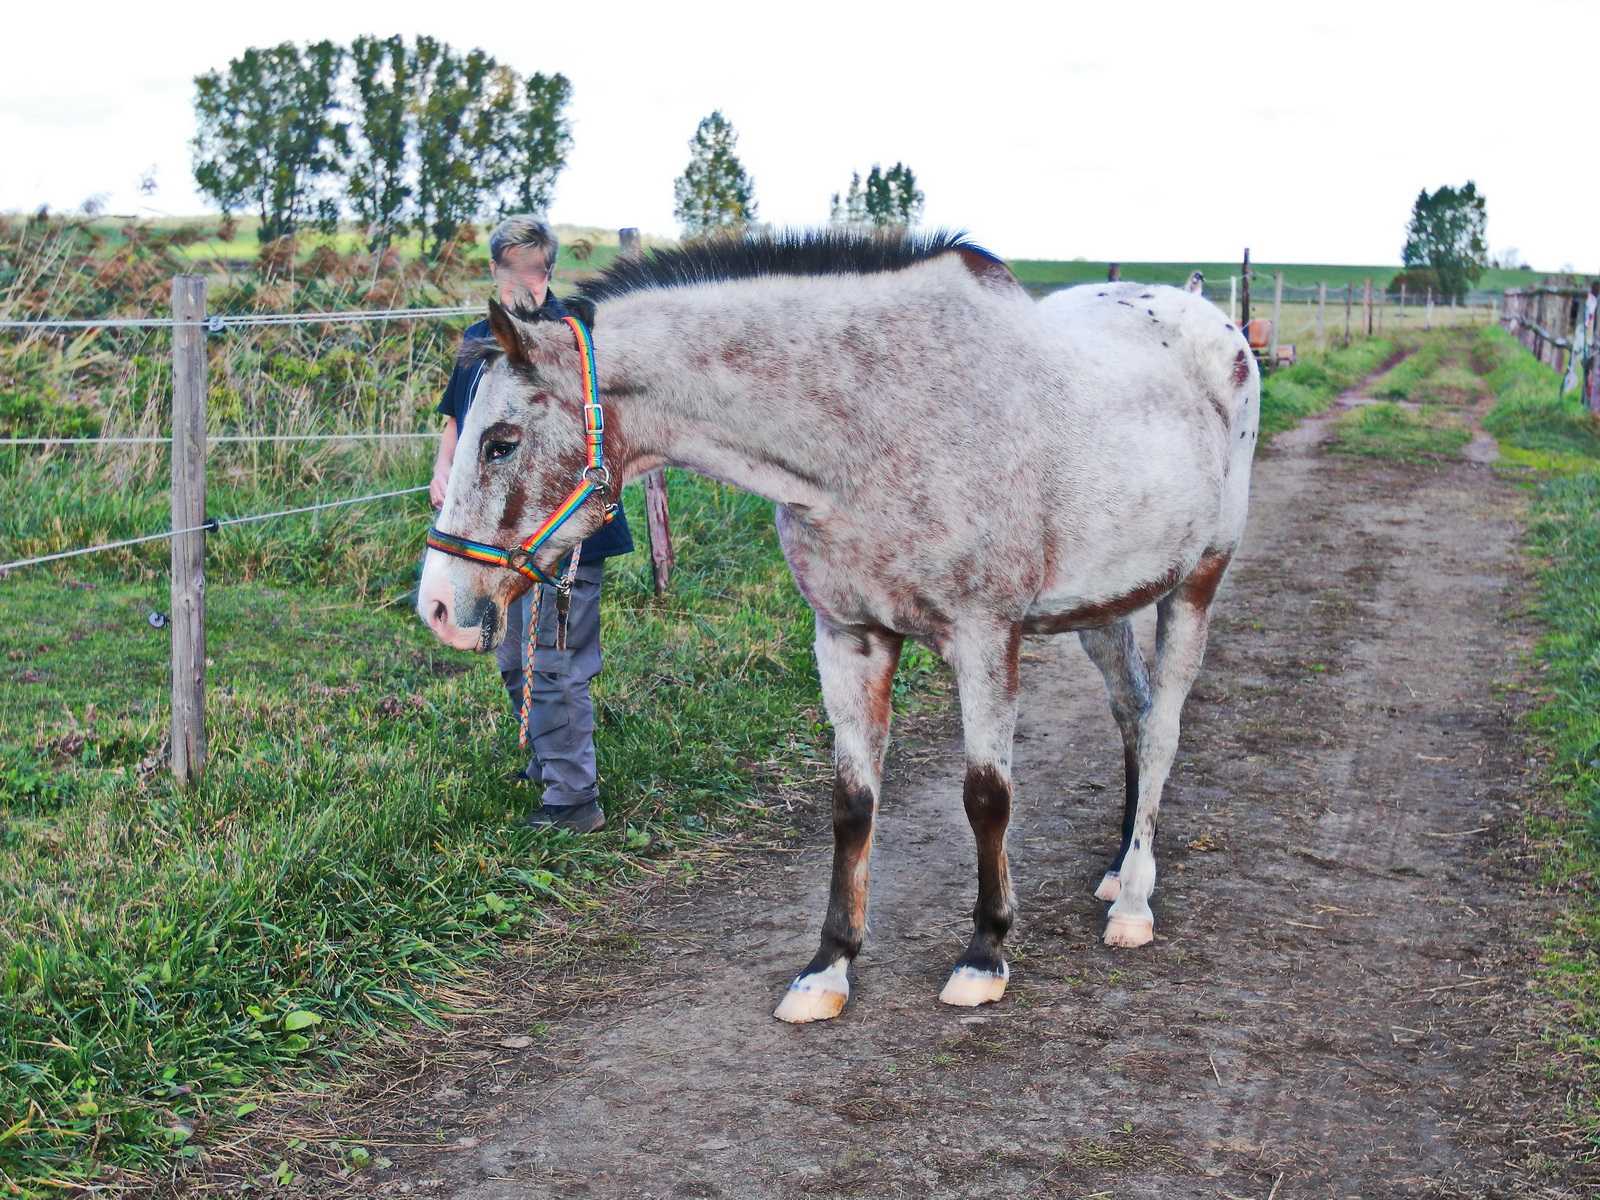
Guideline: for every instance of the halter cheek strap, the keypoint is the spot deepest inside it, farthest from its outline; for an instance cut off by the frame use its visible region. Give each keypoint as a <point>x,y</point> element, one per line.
<point>595,480</point>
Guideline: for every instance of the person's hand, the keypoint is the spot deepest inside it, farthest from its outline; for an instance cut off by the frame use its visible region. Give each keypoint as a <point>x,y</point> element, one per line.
<point>441,480</point>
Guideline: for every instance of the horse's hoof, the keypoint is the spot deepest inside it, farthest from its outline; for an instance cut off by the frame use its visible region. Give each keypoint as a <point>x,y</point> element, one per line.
<point>804,1003</point>
<point>816,995</point>
<point>969,987</point>
<point>1110,888</point>
<point>1129,931</point>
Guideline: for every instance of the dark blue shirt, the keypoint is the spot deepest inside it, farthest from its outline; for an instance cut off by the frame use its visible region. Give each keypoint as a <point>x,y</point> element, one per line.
<point>606,542</point>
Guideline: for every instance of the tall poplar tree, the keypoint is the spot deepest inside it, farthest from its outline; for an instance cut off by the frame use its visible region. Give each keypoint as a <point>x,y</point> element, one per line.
<point>377,174</point>
<point>1445,234</point>
<point>268,139</point>
<point>714,193</point>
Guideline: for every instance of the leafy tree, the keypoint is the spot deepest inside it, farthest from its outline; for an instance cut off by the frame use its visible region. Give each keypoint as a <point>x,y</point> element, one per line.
<point>714,193</point>
<point>435,138</point>
<point>892,197</point>
<point>535,150</point>
<point>377,182</point>
<point>1445,234</point>
<point>889,200</point>
<point>851,212</point>
<point>267,137</point>
<point>462,104</point>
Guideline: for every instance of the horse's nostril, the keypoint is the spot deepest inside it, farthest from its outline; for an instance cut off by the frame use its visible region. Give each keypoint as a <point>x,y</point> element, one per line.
<point>440,612</point>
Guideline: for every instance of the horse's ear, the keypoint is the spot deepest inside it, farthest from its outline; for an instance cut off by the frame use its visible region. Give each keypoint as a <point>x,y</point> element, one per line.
<point>504,327</point>
<point>581,308</point>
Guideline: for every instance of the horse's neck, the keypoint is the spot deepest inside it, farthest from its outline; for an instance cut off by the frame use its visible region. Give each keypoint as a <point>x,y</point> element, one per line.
<point>703,389</point>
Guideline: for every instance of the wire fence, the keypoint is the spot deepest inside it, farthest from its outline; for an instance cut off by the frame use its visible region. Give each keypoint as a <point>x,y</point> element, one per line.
<point>210,526</point>
<point>221,322</point>
<point>212,324</point>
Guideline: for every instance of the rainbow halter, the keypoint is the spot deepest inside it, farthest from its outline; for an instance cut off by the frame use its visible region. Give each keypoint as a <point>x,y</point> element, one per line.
<point>595,479</point>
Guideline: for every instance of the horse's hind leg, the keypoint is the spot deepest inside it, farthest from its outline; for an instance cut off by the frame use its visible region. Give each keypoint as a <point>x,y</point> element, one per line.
<point>1182,620</point>
<point>1115,651</point>
<point>985,664</point>
<point>857,671</point>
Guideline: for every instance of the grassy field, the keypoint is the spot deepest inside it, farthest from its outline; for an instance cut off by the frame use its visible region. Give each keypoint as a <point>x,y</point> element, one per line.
<point>1553,444</point>
<point>165,957</point>
<point>1037,273</point>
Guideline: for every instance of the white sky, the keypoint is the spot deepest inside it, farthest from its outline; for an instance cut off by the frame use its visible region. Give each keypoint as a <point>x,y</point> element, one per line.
<point>1136,130</point>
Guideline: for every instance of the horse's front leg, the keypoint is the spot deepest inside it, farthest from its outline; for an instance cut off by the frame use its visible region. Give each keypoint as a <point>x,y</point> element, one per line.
<point>857,670</point>
<point>985,664</point>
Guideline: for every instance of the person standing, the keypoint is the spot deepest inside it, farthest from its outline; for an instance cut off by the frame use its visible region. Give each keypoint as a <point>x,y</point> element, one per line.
<point>522,253</point>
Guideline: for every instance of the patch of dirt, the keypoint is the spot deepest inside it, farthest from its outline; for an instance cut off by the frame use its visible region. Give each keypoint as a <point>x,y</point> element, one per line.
<point>1334,1005</point>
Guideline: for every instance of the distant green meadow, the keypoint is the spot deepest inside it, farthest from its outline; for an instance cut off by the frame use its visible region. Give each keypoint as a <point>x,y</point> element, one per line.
<point>602,247</point>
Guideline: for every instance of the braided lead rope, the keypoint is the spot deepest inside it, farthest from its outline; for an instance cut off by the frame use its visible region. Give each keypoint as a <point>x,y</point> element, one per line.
<point>527,666</point>
<point>563,591</point>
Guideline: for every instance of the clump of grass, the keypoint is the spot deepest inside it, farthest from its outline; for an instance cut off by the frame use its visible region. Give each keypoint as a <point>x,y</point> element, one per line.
<point>1390,431</point>
<point>1307,388</point>
<point>1530,413</point>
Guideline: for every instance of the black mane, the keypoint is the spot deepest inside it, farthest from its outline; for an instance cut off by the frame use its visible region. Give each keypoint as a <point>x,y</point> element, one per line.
<point>790,252</point>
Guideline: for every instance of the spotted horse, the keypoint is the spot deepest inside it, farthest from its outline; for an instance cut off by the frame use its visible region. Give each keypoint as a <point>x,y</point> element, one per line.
<point>951,461</point>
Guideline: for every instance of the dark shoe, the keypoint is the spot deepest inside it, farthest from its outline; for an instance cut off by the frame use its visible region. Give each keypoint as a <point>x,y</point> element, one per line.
<point>520,775</point>
<point>580,818</point>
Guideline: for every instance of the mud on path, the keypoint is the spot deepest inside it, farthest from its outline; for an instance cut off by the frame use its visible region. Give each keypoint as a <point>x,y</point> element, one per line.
<point>1334,1005</point>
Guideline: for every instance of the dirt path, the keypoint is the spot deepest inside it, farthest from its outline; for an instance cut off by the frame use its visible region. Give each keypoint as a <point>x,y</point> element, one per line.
<point>1333,1003</point>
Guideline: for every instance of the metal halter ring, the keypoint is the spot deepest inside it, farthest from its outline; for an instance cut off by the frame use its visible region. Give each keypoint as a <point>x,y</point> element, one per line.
<point>599,476</point>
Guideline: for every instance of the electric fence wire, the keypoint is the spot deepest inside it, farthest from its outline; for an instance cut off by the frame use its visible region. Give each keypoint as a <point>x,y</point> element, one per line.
<point>218,322</point>
<point>252,437</point>
<point>210,526</point>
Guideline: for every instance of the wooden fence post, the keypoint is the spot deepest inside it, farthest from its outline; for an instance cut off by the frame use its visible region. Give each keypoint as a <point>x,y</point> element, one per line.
<point>1322,308</point>
<point>1277,311</point>
<point>1244,306</point>
<point>1380,301</point>
<point>657,518</point>
<point>1366,302</point>
<point>1402,317</point>
<point>188,511</point>
<point>1427,320</point>
<point>1113,272</point>
<point>1349,301</point>
<point>1591,364</point>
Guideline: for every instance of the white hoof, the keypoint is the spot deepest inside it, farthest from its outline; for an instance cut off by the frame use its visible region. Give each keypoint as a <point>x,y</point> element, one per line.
<point>1110,887</point>
<point>801,1007</point>
<point>969,987</point>
<point>1129,931</point>
<point>819,996</point>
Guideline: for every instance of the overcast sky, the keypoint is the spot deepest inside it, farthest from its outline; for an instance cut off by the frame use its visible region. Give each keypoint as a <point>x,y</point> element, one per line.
<point>1132,131</point>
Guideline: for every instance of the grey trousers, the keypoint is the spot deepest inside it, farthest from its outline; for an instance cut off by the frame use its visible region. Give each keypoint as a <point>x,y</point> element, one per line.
<point>561,719</point>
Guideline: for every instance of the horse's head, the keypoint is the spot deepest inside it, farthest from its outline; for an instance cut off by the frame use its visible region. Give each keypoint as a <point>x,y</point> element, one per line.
<point>520,453</point>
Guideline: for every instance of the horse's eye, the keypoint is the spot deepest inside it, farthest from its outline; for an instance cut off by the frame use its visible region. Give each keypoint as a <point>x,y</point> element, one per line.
<point>495,451</point>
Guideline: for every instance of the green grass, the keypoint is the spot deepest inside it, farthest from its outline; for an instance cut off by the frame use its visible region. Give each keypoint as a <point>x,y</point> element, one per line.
<point>1439,367</point>
<point>1294,393</point>
<point>1530,413</point>
<point>1390,431</point>
<point>351,853</point>
<point>1540,429</point>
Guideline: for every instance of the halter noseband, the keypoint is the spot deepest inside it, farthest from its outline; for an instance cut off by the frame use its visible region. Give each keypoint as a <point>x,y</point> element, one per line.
<point>595,479</point>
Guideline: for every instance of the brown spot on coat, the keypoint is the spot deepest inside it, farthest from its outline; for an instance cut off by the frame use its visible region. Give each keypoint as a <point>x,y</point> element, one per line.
<point>986,271</point>
<point>1201,586</point>
<point>1241,368</point>
<point>516,506</point>
<point>1103,612</point>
